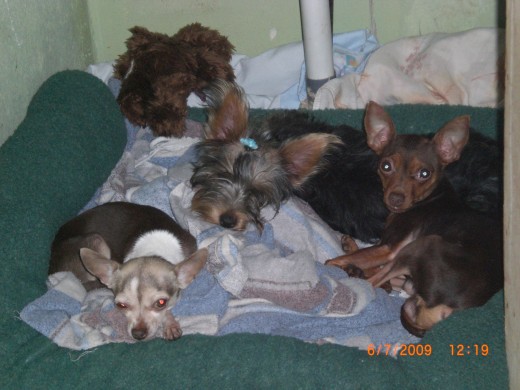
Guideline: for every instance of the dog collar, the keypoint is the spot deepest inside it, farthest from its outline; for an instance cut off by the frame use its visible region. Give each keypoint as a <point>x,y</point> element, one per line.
<point>249,143</point>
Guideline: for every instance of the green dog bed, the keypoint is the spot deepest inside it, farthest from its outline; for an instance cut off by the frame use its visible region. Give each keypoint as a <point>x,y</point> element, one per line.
<point>71,138</point>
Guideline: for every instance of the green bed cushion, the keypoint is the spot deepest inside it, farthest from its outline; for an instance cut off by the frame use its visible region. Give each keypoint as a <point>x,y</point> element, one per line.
<point>72,137</point>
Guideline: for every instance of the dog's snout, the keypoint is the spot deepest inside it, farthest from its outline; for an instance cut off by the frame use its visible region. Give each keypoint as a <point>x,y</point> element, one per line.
<point>228,220</point>
<point>396,199</point>
<point>139,333</point>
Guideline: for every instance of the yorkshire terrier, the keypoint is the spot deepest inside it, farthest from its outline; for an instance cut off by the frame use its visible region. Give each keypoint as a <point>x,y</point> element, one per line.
<point>245,165</point>
<point>239,170</point>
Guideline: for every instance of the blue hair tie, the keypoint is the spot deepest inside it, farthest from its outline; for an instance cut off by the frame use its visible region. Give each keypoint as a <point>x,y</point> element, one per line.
<point>249,143</point>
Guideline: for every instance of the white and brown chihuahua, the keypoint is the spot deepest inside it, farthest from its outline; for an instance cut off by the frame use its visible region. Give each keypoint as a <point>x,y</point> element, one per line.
<point>139,253</point>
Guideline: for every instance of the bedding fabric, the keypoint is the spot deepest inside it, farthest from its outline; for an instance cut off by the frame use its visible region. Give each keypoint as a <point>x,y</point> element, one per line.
<point>440,68</point>
<point>66,147</point>
<point>273,283</point>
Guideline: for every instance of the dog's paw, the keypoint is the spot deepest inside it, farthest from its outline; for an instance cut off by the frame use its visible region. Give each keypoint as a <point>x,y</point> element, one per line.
<point>348,244</point>
<point>387,287</point>
<point>354,272</point>
<point>172,331</point>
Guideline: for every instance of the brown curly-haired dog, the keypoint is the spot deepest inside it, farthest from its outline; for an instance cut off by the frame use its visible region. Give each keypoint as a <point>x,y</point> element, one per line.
<point>159,72</point>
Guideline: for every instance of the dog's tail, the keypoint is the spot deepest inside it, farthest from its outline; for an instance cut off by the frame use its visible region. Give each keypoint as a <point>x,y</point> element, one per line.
<point>228,111</point>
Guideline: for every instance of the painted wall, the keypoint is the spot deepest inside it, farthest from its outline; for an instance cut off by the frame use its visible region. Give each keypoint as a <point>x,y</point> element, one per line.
<point>37,39</point>
<point>254,26</point>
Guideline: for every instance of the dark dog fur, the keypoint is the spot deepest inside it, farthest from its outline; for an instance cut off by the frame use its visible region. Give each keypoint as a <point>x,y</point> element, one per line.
<point>158,73</point>
<point>452,252</point>
<point>331,167</point>
<point>119,235</point>
<point>239,171</point>
<point>347,194</point>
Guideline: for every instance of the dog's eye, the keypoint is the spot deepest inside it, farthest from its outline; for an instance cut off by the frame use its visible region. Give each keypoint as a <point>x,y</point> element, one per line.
<point>386,166</point>
<point>121,305</point>
<point>161,303</point>
<point>424,174</point>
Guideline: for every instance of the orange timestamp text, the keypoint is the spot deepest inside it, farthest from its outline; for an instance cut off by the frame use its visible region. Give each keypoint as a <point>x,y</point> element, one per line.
<point>399,350</point>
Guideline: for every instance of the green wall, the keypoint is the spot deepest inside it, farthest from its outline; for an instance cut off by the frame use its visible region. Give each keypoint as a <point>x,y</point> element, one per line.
<point>254,26</point>
<point>41,37</point>
<point>37,39</point>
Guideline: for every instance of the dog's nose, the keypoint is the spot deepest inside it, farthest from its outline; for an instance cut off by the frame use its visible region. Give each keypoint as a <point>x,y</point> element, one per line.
<point>396,199</point>
<point>228,220</point>
<point>139,333</point>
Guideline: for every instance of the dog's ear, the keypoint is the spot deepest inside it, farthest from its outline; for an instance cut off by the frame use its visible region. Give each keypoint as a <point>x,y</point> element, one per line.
<point>379,127</point>
<point>227,112</point>
<point>189,268</point>
<point>99,266</point>
<point>451,139</point>
<point>98,244</point>
<point>302,157</point>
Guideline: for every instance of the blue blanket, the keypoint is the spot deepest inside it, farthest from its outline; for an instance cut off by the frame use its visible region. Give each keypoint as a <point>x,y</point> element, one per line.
<point>272,282</point>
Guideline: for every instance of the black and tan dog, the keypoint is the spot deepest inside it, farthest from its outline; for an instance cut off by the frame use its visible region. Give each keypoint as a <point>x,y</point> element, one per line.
<point>451,253</point>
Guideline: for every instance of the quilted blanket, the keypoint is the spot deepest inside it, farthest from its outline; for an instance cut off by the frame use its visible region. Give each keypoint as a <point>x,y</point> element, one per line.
<point>271,282</point>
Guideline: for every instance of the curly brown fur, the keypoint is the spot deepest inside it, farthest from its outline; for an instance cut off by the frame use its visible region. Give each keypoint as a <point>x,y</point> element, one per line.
<point>159,72</point>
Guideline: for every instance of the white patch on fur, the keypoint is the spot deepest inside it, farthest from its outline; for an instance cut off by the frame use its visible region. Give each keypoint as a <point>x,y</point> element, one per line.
<point>134,285</point>
<point>157,243</point>
<point>130,70</point>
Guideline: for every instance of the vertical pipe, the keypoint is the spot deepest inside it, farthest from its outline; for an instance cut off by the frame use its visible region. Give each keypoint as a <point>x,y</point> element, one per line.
<point>317,44</point>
